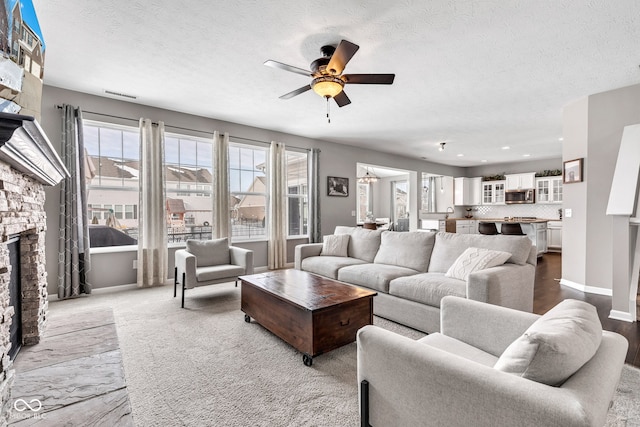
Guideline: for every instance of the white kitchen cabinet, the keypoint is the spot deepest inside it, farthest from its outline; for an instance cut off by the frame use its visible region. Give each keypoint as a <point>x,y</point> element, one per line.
<point>493,192</point>
<point>554,236</point>
<point>467,226</point>
<point>549,189</point>
<point>519,181</point>
<point>467,191</point>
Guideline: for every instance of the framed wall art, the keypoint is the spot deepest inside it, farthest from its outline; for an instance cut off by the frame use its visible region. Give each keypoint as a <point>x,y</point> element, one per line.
<point>337,186</point>
<point>572,171</point>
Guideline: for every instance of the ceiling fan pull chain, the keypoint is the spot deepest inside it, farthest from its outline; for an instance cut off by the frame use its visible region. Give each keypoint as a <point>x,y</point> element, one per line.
<point>328,109</point>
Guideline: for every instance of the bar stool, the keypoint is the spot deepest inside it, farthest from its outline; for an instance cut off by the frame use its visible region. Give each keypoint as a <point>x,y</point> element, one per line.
<point>511,228</point>
<point>487,228</point>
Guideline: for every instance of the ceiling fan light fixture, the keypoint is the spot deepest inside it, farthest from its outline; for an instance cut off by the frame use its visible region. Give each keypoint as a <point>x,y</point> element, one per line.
<point>442,144</point>
<point>327,86</point>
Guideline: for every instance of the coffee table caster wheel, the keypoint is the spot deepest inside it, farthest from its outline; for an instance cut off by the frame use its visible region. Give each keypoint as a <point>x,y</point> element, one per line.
<point>247,318</point>
<point>307,360</point>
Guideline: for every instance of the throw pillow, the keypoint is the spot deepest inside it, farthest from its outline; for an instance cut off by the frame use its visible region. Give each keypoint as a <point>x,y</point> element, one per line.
<point>335,245</point>
<point>475,259</point>
<point>210,252</point>
<point>556,345</point>
<point>406,249</point>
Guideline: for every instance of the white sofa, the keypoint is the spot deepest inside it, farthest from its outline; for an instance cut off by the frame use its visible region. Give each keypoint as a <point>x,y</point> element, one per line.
<point>408,270</point>
<point>492,366</point>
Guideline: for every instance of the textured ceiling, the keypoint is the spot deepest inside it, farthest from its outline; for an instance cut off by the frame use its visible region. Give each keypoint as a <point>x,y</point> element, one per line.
<point>478,74</point>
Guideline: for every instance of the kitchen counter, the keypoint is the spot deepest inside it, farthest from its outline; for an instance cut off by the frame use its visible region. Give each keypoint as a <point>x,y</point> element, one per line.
<point>515,219</point>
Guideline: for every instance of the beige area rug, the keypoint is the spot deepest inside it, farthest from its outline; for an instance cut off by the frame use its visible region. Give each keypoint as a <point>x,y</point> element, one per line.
<point>205,366</point>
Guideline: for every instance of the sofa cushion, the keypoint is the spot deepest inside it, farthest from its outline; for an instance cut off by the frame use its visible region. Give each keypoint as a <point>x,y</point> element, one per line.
<point>210,252</point>
<point>476,259</point>
<point>373,276</point>
<point>344,229</point>
<point>364,244</point>
<point>411,250</point>
<point>427,288</point>
<point>459,348</point>
<point>327,266</point>
<point>335,245</point>
<point>217,272</point>
<point>556,345</point>
<point>449,246</point>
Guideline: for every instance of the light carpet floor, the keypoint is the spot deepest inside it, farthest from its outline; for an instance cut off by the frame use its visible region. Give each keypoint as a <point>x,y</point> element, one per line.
<point>205,366</point>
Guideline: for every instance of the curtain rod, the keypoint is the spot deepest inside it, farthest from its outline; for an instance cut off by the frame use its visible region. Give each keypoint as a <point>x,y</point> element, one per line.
<point>182,128</point>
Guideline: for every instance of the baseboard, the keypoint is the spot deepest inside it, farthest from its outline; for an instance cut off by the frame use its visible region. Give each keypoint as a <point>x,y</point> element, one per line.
<point>588,289</point>
<point>621,315</point>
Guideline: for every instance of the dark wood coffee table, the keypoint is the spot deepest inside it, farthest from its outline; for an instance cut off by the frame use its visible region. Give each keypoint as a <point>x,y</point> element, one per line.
<point>312,313</point>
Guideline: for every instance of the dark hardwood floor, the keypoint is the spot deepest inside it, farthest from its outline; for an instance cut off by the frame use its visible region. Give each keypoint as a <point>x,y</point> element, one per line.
<point>548,292</point>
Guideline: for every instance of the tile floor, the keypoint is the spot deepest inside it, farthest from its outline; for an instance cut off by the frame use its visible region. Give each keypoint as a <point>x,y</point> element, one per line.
<point>74,376</point>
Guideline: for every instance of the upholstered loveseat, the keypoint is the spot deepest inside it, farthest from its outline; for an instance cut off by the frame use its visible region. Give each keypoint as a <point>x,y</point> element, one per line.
<point>492,366</point>
<point>413,271</point>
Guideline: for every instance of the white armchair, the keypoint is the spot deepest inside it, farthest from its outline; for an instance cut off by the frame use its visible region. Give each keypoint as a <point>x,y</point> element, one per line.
<point>455,377</point>
<point>207,262</point>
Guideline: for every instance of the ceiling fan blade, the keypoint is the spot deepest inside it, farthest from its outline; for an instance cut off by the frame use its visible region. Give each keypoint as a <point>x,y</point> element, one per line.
<point>291,68</point>
<point>296,92</point>
<point>343,54</point>
<point>369,79</point>
<point>342,99</point>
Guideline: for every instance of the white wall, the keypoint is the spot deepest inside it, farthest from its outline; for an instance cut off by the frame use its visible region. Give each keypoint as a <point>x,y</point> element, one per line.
<point>335,160</point>
<point>515,167</point>
<point>592,130</point>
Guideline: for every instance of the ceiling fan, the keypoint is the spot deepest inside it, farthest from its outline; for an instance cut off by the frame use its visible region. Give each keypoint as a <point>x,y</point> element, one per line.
<point>326,73</point>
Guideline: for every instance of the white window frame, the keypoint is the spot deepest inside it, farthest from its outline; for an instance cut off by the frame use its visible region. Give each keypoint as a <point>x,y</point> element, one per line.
<point>304,196</point>
<point>254,146</point>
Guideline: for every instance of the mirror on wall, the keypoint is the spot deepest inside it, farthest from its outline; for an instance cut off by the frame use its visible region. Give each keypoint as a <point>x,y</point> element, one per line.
<point>437,193</point>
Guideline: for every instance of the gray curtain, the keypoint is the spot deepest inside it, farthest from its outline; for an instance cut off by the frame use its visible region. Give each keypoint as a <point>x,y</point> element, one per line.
<point>315,233</point>
<point>74,260</point>
<point>152,228</point>
<point>221,195</point>
<point>277,243</point>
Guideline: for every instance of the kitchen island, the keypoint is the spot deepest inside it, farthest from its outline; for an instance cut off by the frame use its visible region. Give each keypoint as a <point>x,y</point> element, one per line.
<point>534,228</point>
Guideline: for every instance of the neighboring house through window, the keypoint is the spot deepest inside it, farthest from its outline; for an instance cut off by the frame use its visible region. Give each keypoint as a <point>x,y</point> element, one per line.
<point>248,188</point>
<point>113,165</point>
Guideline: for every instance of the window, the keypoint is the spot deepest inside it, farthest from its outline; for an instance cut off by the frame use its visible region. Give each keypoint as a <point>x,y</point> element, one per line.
<point>400,199</point>
<point>188,183</point>
<point>112,156</point>
<point>364,201</point>
<point>297,195</point>
<point>248,188</point>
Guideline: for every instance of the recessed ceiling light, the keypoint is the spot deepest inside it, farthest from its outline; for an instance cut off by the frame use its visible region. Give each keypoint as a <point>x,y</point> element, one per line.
<point>506,147</point>
<point>483,160</point>
<point>460,155</point>
<point>561,139</point>
<point>526,155</point>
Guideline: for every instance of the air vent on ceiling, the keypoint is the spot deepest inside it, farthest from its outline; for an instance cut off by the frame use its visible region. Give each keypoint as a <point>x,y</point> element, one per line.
<point>124,95</point>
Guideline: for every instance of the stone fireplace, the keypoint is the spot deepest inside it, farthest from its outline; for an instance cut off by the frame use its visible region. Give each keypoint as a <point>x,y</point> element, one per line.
<point>27,164</point>
<point>21,214</point>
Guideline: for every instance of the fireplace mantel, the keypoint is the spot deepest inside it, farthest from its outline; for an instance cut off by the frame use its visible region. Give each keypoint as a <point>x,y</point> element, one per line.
<point>25,147</point>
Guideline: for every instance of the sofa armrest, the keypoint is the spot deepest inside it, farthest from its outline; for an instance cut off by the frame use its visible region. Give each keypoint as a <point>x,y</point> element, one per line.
<point>488,327</point>
<point>508,285</point>
<point>242,257</point>
<point>186,263</point>
<point>304,251</point>
<point>412,383</point>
